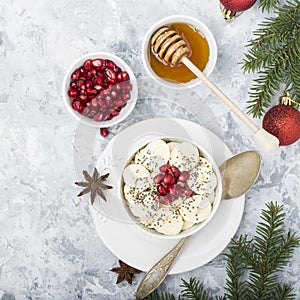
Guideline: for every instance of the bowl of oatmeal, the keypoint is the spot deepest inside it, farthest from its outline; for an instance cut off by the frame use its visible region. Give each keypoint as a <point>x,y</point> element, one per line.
<point>171,188</point>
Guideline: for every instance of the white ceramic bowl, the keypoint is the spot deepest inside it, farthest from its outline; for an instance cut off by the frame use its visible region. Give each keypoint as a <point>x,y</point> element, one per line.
<point>123,113</point>
<point>180,19</point>
<point>193,229</point>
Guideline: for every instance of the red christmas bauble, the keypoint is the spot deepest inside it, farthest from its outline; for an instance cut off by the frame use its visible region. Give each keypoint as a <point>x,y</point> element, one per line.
<point>283,121</point>
<point>237,5</point>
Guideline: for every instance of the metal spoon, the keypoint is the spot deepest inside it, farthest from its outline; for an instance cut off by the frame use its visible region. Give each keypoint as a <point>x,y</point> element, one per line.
<point>238,175</point>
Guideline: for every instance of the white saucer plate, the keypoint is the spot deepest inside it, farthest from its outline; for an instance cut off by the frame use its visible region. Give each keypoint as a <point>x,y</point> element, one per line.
<point>128,242</point>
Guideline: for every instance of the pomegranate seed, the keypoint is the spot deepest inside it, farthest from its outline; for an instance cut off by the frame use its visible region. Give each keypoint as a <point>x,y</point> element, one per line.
<point>119,77</point>
<point>175,171</point>
<point>92,113</point>
<point>83,97</point>
<point>168,178</point>
<point>88,84</point>
<point>127,87</point>
<point>92,92</point>
<point>73,84</point>
<point>110,64</point>
<point>104,132</point>
<point>82,72</point>
<point>77,105</point>
<point>94,102</point>
<point>188,192</point>
<point>125,76</point>
<point>164,200</point>
<point>164,168</point>
<point>93,71</point>
<point>111,75</point>
<point>119,103</point>
<point>115,113</point>
<point>170,198</point>
<point>101,103</point>
<point>75,74</point>
<point>108,101</point>
<point>126,96</point>
<point>117,69</point>
<point>184,176</point>
<point>80,83</point>
<point>85,111</point>
<point>181,184</point>
<point>97,117</point>
<point>72,93</point>
<point>161,190</point>
<point>113,94</point>
<point>157,198</point>
<point>159,178</point>
<point>98,63</point>
<point>97,87</point>
<point>171,188</point>
<point>89,75</point>
<point>87,64</point>
<point>82,92</point>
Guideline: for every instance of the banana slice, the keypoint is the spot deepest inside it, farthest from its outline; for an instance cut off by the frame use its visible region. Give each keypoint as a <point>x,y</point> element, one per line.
<point>211,185</point>
<point>198,178</point>
<point>202,200</point>
<point>203,162</point>
<point>203,213</point>
<point>185,156</point>
<point>142,213</point>
<point>136,175</point>
<point>140,156</point>
<point>167,222</point>
<point>131,193</point>
<point>147,198</point>
<point>189,210</point>
<point>176,203</point>
<point>158,148</point>
<point>153,163</point>
<point>187,225</point>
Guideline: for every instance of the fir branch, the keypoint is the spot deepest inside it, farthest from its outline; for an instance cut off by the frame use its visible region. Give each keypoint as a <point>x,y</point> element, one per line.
<point>283,292</point>
<point>267,5</point>
<point>194,290</point>
<point>235,286</point>
<point>275,54</point>
<point>253,265</point>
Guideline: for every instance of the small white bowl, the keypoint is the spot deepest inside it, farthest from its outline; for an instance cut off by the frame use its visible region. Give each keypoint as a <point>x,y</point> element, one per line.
<point>123,113</point>
<point>180,19</point>
<point>194,229</point>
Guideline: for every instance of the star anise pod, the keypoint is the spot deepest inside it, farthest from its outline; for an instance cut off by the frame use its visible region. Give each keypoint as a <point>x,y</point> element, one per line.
<point>94,185</point>
<point>125,272</point>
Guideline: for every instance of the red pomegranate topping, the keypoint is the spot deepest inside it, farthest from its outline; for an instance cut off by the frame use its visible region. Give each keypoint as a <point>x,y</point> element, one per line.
<point>104,132</point>
<point>171,184</point>
<point>99,89</point>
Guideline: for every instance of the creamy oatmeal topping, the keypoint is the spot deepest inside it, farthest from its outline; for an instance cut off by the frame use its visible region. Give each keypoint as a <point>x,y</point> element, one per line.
<point>169,186</point>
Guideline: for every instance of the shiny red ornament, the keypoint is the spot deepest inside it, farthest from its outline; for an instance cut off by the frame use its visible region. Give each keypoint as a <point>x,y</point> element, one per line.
<point>283,121</point>
<point>237,5</point>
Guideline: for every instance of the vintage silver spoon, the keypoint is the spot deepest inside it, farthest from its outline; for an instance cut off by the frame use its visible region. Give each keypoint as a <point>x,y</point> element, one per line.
<point>238,175</point>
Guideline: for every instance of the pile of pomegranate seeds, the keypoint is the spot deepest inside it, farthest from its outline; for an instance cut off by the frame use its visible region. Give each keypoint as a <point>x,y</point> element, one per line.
<point>99,89</point>
<point>171,184</point>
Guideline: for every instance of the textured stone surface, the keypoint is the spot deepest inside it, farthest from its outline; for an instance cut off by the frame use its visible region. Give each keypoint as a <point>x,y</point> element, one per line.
<point>48,245</point>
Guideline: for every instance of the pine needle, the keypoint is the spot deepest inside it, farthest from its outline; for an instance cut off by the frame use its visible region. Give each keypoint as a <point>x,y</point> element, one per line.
<point>253,265</point>
<point>275,55</point>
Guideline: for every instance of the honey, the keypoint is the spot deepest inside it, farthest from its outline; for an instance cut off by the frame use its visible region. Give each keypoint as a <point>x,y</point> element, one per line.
<point>200,55</point>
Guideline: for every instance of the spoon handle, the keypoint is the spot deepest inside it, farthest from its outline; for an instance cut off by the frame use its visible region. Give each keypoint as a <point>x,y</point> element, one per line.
<point>155,276</point>
<point>267,141</point>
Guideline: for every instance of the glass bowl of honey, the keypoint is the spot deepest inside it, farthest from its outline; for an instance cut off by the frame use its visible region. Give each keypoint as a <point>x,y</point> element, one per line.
<point>203,52</point>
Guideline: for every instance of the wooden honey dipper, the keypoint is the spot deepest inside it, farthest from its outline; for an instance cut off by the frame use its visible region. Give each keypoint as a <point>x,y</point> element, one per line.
<point>170,46</point>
